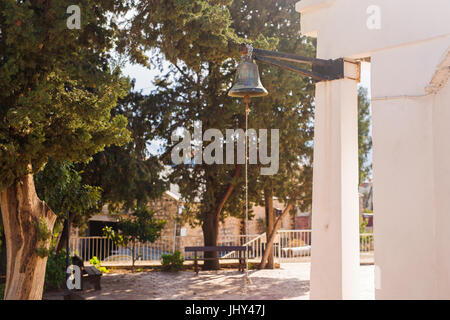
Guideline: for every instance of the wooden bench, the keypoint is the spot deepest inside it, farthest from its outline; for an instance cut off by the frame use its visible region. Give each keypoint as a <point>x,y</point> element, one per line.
<point>240,249</point>
<point>89,274</point>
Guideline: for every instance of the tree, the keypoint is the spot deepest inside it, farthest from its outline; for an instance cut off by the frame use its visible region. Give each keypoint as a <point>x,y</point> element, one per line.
<point>61,187</point>
<point>139,227</point>
<point>129,175</point>
<point>364,135</point>
<point>57,91</point>
<point>2,250</point>
<point>289,107</point>
<point>195,36</point>
<point>199,38</point>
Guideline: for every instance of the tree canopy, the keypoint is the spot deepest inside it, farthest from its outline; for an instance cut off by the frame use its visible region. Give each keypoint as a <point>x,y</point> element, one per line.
<point>364,135</point>
<point>58,86</point>
<point>201,39</point>
<point>129,175</point>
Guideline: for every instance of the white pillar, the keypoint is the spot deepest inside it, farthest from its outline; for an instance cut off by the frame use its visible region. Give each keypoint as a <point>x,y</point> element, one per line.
<point>335,220</point>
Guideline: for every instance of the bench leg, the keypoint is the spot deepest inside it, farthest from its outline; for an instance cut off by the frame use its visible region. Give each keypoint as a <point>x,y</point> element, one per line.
<point>196,263</point>
<point>97,283</point>
<point>241,267</point>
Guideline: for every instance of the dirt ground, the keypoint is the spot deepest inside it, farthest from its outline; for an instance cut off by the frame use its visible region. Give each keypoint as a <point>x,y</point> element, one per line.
<point>290,282</point>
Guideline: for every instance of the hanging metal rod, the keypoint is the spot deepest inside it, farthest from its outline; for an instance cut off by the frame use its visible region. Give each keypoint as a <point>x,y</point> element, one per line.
<point>322,70</point>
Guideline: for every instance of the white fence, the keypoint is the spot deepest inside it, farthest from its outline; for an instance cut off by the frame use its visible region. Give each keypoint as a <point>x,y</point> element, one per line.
<point>366,242</point>
<point>289,246</point>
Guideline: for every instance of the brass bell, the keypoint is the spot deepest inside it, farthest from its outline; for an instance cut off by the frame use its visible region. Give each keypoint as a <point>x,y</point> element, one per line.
<point>248,83</point>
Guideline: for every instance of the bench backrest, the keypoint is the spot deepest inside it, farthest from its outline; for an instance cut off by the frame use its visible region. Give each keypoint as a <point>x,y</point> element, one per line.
<point>214,249</point>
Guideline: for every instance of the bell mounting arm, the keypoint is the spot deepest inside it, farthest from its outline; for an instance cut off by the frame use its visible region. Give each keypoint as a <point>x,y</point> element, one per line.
<point>322,70</point>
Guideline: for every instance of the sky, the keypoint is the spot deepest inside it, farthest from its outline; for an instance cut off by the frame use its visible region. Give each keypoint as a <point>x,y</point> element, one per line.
<point>365,76</point>
<point>145,77</point>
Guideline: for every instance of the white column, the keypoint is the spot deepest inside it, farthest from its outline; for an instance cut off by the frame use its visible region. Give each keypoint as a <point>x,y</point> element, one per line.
<point>335,220</point>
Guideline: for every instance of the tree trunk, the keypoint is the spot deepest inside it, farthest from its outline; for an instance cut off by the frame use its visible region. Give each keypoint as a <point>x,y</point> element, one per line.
<point>22,211</point>
<point>270,221</point>
<point>210,235</point>
<point>210,226</point>
<point>133,257</point>
<point>63,237</point>
<point>271,236</point>
<point>243,232</point>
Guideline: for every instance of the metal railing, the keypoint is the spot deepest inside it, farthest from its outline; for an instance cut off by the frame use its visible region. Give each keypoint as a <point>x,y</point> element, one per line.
<point>289,246</point>
<point>224,240</point>
<point>366,242</point>
<point>254,248</point>
<point>106,251</point>
<point>294,245</point>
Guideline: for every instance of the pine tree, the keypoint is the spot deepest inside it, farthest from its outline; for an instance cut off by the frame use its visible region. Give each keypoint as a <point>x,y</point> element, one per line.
<point>57,91</point>
<point>289,108</point>
<point>199,38</point>
<point>62,188</point>
<point>129,175</point>
<point>364,137</point>
<point>140,226</point>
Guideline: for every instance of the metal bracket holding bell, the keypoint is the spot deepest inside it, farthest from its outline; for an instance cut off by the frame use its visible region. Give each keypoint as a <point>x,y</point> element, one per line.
<point>322,70</point>
<point>248,82</point>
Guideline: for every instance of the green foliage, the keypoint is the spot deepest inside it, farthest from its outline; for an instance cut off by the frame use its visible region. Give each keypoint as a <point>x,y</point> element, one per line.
<point>289,106</point>
<point>62,188</point>
<point>129,175</point>
<point>196,89</point>
<point>42,230</point>
<point>57,85</point>
<point>363,224</point>
<point>116,238</point>
<point>252,266</point>
<point>140,226</point>
<point>364,135</point>
<point>172,262</point>
<point>55,273</point>
<point>2,290</point>
<point>43,235</point>
<point>188,31</point>
<point>97,263</point>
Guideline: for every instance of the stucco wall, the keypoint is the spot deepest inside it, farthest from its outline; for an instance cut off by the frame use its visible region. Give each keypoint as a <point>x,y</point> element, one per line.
<point>411,140</point>
<point>441,119</point>
<point>341,25</point>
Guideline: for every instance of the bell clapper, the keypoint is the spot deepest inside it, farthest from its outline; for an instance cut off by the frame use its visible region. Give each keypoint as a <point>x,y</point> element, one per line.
<point>247,100</point>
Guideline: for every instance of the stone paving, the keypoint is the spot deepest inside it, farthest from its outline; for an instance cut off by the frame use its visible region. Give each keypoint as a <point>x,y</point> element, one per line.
<point>290,282</point>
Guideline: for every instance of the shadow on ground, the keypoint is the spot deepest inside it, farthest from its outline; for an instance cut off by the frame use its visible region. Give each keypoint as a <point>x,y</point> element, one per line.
<point>210,285</point>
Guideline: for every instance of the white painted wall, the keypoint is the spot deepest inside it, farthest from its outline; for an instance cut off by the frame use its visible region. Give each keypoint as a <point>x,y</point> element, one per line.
<point>411,174</point>
<point>441,129</point>
<point>411,134</point>
<point>341,25</point>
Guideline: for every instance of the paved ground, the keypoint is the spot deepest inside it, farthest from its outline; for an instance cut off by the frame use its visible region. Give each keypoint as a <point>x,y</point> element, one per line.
<point>290,282</point>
